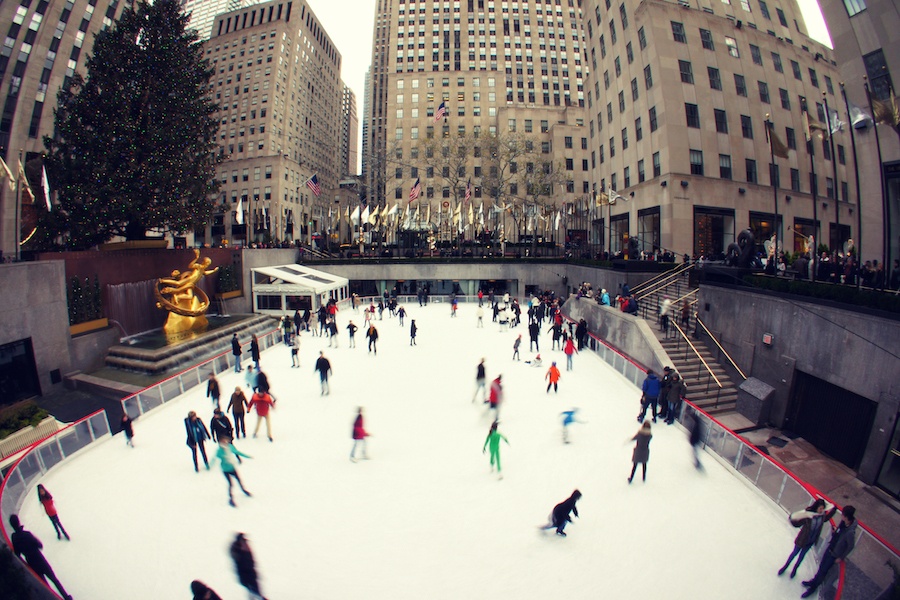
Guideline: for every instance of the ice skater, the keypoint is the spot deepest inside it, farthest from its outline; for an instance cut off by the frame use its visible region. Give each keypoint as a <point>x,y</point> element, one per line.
<point>570,350</point>
<point>26,545</point>
<point>254,342</point>
<point>480,379</point>
<point>479,312</point>
<point>516,345</point>
<point>401,313</point>
<point>323,366</point>
<point>202,591</point>
<point>553,376</point>
<point>197,434</point>
<point>695,438</point>
<point>127,427</point>
<point>264,403</point>
<point>412,332</point>
<point>220,426</point>
<point>493,440</point>
<point>641,450</point>
<point>226,453</point>
<point>537,362</point>
<point>568,417</point>
<point>495,396</point>
<point>810,521</point>
<point>562,512</point>
<point>351,330</point>
<point>359,436</point>
<point>650,389</point>
<point>250,378</point>
<point>238,406</point>
<point>236,352</point>
<point>295,351</point>
<point>245,566</point>
<point>46,499</point>
<point>372,334</point>
<point>212,390</point>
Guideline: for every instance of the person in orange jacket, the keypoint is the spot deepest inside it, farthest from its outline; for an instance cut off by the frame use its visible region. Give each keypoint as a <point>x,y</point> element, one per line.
<point>553,375</point>
<point>263,403</point>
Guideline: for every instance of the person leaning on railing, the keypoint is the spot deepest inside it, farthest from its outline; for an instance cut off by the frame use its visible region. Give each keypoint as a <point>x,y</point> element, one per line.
<point>842,543</point>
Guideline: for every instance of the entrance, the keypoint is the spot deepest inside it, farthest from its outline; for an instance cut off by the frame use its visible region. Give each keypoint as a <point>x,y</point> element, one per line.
<point>18,372</point>
<point>832,419</point>
<point>889,477</point>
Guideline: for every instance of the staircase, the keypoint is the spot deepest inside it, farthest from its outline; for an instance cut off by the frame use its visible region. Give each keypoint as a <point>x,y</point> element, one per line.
<point>711,389</point>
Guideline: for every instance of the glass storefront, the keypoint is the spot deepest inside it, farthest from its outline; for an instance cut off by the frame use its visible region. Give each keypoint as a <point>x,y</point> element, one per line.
<point>649,230</point>
<point>618,235</point>
<point>713,231</point>
<point>763,227</point>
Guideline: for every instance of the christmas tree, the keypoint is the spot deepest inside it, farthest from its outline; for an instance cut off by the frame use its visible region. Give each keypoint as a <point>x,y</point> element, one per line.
<point>135,145</point>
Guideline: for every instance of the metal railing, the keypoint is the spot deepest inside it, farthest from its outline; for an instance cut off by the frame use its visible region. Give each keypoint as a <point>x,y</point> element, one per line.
<point>652,284</point>
<point>721,349</point>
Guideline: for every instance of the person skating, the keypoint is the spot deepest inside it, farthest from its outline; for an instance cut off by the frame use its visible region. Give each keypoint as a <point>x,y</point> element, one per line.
<point>359,436</point>
<point>569,349</point>
<point>332,332</point>
<point>202,591</point>
<point>245,566</point>
<point>553,376</point>
<point>323,366</point>
<point>372,334</point>
<point>480,379</point>
<point>562,512</point>
<point>493,440</point>
<point>46,500</point>
<point>516,345</point>
<point>264,403</point>
<point>127,427</point>
<point>479,313</point>
<point>641,454</point>
<point>537,362</point>
<point>534,332</point>
<point>842,543</point>
<point>250,378</point>
<point>695,437</point>
<point>295,351</point>
<point>495,397</point>
<point>401,313</point>
<point>351,330</point>
<point>236,352</point>
<point>662,400</point>
<point>212,390</point>
<point>810,521</point>
<point>25,545</point>
<point>412,332</point>
<point>650,389</point>
<point>238,406</point>
<point>220,426</point>
<point>197,434</point>
<point>568,417</point>
<point>226,453</point>
<point>673,396</point>
<point>254,343</point>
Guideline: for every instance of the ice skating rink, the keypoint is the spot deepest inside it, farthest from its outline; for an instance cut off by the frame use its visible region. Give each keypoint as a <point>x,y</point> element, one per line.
<point>425,517</point>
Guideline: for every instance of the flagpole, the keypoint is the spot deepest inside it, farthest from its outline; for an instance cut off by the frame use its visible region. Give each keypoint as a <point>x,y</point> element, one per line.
<point>772,170</point>
<point>810,149</point>
<point>858,236</point>
<point>885,232</point>
<point>837,192</point>
<point>18,200</point>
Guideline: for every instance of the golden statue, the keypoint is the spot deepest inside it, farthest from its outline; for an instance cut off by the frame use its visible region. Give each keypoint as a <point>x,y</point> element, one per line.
<point>187,304</point>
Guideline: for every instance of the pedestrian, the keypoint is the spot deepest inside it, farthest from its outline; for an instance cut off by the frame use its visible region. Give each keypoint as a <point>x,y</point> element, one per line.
<point>46,500</point>
<point>842,542</point>
<point>650,389</point>
<point>25,545</point>
<point>212,390</point>
<point>604,297</point>
<point>238,406</point>
<point>333,332</point>
<point>664,310</point>
<point>245,566</point>
<point>686,314</point>
<point>480,379</point>
<point>493,440</point>
<point>254,343</point>
<point>287,326</point>
<point>570,350</point>
<point>359,436</point>
<point>372,334</point>
<point>295,352</point>
<point>225,453</point>
<point>351,329</point>
<point>673,396</point>
<point>264,403</point>
<point>262,382</point>
<point>323,366</point>
<point>562,512</point>
<point>236,352</point>
<point>568,417</point>
<point>810,521</point>
<point>298,322</point>
<point>641,454</point>
<point>401,312</point>
<point>553,376</point>
<point>516,345</point>
<point>197,434</point>
<point>220,426</point>
<point>479,312</point>
<point>663,399</point>
<point>557,336</point>
<point>127,427</point>
<point>202,591</point>
<point>495,396</point>
<point>250,378</point>
<point>412,332</point>
<point>534,331</point>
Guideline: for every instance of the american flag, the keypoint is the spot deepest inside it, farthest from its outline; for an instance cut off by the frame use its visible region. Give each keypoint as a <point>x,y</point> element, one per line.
<point>415,191</point>
<point>468,191</point>
<point>313,184</point>
<point>441,112</point>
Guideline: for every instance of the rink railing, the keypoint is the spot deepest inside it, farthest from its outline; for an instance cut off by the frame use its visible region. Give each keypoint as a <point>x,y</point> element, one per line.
<point>39,458</point>
<point>866,572</point>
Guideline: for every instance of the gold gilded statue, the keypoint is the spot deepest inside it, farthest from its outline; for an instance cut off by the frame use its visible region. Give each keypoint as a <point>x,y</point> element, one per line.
<point>187,304</point>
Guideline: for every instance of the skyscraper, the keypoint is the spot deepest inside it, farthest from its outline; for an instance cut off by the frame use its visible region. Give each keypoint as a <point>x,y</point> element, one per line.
<point>204,12</point>
<point>349,133</point>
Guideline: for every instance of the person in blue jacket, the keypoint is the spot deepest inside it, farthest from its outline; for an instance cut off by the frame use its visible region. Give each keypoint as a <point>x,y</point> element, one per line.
<point>568,417</point>
<point>650,388</point>
<point>197,434</point>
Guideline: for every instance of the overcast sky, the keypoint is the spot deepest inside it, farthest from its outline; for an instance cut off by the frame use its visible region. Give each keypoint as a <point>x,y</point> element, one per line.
<point>350,22</point>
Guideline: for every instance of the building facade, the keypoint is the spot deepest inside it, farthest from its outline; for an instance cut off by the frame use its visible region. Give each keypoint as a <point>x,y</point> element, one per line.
<point>204,12</point>
<point>349,132</point>
<point>277,81</point>
<point>46,43</point>
<point>678,98</point>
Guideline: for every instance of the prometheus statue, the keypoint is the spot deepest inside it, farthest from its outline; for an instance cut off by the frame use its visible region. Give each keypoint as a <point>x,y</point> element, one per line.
<point>187,304</point>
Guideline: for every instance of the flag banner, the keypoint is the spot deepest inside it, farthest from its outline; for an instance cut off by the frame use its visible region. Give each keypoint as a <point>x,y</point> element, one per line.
<point>886,112</point>
<point>859,118</point>
<point>45,183</point>
<point>556,221</point>
<point>428,214</point>
<point>468,191</point>
<point>601,198</point>
<point>471,215</point>
<point>415,191</point>
<point>364,218</point>
<point>11,179</point>
<point>23,180</point>
<point>441,112</point>
<point>313,184</point>
<point>834,121</point>
<point>779,149</point>
<point>810,125</point>
<point>239,216</point>
<point>354,216</point>
<point>394,210</point>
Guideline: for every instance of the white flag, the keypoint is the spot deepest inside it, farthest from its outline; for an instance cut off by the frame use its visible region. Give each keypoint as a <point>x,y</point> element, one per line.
<point>46,185</point>
<point>556,221</point>
<point>239,217</point>
<point>394,210</point>
<point>354,216</point>
<point>834,122</point>
<point>365,215</point>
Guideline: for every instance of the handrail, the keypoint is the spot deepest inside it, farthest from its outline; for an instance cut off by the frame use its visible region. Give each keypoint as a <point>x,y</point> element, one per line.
<point>719,346</point>
<point>673,279</point>
<point>694,348</point>
<point>660,276</point>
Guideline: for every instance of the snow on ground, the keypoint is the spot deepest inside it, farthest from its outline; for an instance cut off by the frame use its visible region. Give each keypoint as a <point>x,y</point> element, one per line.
<point>425,517</point>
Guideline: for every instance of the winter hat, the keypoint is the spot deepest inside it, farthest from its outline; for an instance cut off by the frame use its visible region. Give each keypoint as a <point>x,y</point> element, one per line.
<point>667,369</point>
<point>554,363</point>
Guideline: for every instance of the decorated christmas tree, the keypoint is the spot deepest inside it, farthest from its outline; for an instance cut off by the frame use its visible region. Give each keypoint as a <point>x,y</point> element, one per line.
<point>135,145</point>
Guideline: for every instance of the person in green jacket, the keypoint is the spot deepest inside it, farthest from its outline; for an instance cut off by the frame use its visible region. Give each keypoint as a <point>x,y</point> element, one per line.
<point>493,439</point>
<point>226,453</point>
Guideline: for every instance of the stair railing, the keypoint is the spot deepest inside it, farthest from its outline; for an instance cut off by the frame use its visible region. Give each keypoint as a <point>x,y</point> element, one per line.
<point>721,349</point>
<point>652,284</point>
<point>710,376</point>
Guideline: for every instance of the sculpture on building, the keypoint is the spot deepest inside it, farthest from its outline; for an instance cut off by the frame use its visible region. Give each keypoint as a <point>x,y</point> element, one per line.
<point>741,254</point>
<point>180,295</point>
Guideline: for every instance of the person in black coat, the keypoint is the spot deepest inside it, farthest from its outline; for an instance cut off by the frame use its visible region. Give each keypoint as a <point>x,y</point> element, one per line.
<point>254,350</point>
<point>262,383</point>
<point>202,591</point>
<point>220,426</point>
<point>245,565</point>
<point>26,545</point>
<point>236,351</point>
<point>212,390</point>
<point>372,334</point>
<point>534,330</point>
<point>560,515</point>
<point>842,543</point>
<point>197,434</point>
<point>412,332</point>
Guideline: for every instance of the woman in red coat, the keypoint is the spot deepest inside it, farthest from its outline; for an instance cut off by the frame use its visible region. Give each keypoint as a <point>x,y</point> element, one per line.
<point>47,501</point>
<point>359,435</point>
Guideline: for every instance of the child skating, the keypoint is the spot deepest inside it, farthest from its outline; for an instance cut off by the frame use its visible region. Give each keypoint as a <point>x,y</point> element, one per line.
<point>493,440</point>
<point>553,376</point>
<point>561,514</point>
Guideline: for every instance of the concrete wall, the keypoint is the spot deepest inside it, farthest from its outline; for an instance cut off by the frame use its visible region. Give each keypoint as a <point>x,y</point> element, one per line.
<point>851,350</point>
<point>88,350</point>
<point>33,305</point>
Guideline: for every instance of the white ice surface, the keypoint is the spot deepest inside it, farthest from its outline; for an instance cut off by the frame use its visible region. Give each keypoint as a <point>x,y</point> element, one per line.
<point>425,517</point>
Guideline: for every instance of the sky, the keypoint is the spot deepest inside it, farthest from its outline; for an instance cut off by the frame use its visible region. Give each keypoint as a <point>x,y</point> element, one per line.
<point>426,516</point>
<point>350,23</point>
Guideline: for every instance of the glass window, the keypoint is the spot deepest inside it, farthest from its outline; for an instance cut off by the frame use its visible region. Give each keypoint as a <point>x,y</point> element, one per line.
<point>747,127</point>
<point>740,85</point>
<point>785,99</point>
<point>687,74</point>
<point>706,39</point>
<point>648,77</point>
<point>790,138</point>
<point>696,162</point>
<point>854,6</point>
<point>776,60</point>
<point>653,124</point>
<point>721,120</point>
<point>750,166</point>
<point>763,91</point>
<point>756,55</point>
<point>715,82</point>
<point>795,67</point>
<point>639,132</point>
<point>879,75</point>
<point>657,165</point>
<point>693,115</point>
<point>642,38</point>
<point>732,47</point>
<point>781,17</point>
<point>724,166</point>
<point>678,32</point>
<point>764,10</point>
<point>813,78</point>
